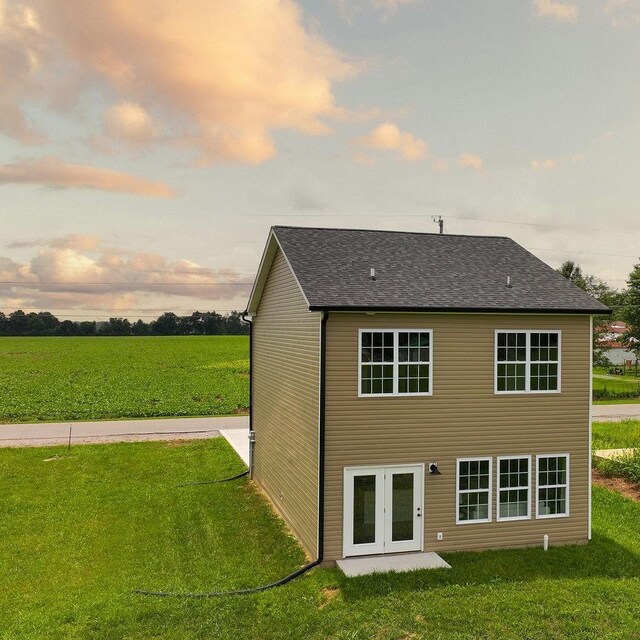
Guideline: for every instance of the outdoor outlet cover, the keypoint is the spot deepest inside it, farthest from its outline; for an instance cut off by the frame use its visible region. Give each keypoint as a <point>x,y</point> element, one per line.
<point>439,535</point>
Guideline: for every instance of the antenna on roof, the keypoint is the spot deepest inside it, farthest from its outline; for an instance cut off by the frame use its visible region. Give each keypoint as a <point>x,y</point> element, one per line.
<point>439,221</point>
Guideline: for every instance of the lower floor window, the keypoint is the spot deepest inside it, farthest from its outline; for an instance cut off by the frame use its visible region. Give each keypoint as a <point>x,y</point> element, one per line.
<point>553,486</point>
<point>474,490</point>
<point>513,488</point>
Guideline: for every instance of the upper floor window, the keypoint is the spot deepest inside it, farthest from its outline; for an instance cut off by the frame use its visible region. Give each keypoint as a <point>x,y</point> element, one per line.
<point>527,361</point>
<point>395,362</point>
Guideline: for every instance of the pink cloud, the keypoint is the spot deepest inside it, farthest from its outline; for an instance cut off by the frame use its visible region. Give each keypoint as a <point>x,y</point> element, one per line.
<point>468,160</point>
<point>54,172</point>
<point>128,122</point>
<point>387,137</point>
<point>21,52</point>
<point>62,273</point>
<point>221,79</point>
<point>558,11</point>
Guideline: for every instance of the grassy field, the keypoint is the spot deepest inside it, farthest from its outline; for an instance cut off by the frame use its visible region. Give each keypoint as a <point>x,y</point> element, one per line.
<point>616,435</point>
<point>59,379</point>
<point>619,435</point>
<point>81,531</point>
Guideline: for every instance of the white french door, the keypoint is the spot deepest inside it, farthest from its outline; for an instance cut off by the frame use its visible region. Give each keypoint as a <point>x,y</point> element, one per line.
<point>383,509</point>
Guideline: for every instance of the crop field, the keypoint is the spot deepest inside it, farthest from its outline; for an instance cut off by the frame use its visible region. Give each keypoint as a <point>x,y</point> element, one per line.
<point>59,379</point>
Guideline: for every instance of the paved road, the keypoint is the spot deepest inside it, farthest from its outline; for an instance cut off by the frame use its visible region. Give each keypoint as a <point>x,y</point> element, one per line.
<point>44,434</point>
<point>615,412</point>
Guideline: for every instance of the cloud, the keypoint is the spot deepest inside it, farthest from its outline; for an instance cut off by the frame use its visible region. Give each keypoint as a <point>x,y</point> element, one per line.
<point>221,80</point>
<point>63,274</point>
<point>549,164</point>
<point>623,13</point>
<point>20,60</point>
<point>387,137</point>
<point>391,5</point>
<point>128,122</point>
<point>468,160</point>
<point>558,11</point>
<point>54,172</point>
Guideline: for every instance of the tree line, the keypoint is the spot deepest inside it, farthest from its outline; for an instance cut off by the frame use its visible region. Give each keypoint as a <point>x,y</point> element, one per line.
<point>198,323</point>
<point>625,305</point>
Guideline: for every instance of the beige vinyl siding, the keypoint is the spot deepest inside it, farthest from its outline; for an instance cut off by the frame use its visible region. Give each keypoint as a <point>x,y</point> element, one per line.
<point>463,418</point>
<point>286,365</point>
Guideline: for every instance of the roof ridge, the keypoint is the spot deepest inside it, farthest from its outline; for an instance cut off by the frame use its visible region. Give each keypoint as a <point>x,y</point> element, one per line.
<point>417,233</point>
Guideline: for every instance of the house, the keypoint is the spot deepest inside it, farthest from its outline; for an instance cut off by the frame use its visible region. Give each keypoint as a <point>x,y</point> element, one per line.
<point>611,341</point>
<point>415,391</point>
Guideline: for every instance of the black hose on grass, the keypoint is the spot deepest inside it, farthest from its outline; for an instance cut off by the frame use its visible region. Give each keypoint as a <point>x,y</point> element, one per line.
<point>195,484</point>
<point>237,592</point>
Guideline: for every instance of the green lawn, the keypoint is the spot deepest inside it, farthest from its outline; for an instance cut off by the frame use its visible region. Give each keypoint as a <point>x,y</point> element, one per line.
<point>81,531</point>
<point>59,379</point>
<point>616,435</point>
<point>618,388</point>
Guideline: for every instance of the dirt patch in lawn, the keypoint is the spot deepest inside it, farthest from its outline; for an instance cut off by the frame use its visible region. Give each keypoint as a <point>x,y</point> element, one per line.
<point>328,595</point>
<point>626,488</point>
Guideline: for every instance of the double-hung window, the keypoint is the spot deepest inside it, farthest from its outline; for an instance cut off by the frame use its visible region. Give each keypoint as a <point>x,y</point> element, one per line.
<point>394,362</point>
<point>527,362</point>
<point>553,485</point>
<point>473,490</point>
<point>514,493</point>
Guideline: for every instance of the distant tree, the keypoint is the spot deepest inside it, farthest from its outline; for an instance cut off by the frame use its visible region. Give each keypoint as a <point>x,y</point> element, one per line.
<point>87,328</point>
<point>212,323</point>
<point>572,272</point>
<point>116,327</point>
<point>165,325</point>
<point>4,324</point>
<point>17,323</point>
<point>235,325</point>
<point>631,312</point>
<point>41,324</point>
<point>67,328</point>
<point>601,291</point>
<point>140,328</point>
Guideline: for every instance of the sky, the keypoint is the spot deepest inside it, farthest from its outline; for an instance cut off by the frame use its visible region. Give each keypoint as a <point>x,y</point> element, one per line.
<point>147,146</point>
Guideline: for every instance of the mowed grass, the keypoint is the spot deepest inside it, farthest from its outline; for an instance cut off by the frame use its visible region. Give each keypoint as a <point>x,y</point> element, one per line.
<point>616,435</point>
<point>60,379</point>
<point>619,435</point>
<point>81,531</point>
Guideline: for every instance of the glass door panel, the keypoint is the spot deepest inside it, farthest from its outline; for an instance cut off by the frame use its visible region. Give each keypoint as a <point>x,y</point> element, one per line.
<point>364,509</point>
<point>402,507</point>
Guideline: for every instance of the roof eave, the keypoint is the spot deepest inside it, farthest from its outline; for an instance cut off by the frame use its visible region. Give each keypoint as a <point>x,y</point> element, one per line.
<point>382,309</point>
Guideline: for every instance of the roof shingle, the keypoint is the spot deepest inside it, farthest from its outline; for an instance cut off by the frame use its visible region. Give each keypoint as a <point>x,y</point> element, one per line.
<point>425,271</point>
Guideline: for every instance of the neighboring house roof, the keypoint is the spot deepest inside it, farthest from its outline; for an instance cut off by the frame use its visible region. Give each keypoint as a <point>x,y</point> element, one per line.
<point>612,334</point>
<point>418,272</point>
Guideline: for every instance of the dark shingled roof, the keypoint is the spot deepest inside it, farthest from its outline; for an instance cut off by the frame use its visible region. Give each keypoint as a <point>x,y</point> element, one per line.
<point>425,272</point>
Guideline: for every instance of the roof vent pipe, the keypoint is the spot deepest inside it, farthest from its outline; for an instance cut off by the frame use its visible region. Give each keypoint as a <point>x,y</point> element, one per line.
<point>372,274</point>
<point>508,282</point>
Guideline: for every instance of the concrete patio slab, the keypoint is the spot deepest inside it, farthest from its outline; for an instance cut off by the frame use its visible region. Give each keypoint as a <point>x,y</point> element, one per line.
<point>238,438</point>
<point>607,454</point>
<point>366,565</point>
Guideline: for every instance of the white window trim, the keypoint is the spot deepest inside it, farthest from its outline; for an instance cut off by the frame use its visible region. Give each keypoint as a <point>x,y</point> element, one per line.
<point>540,516</point>
<point>396,363</point>
<point>527,363</point>
<point>489,490</point>
<point>499,489</point>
